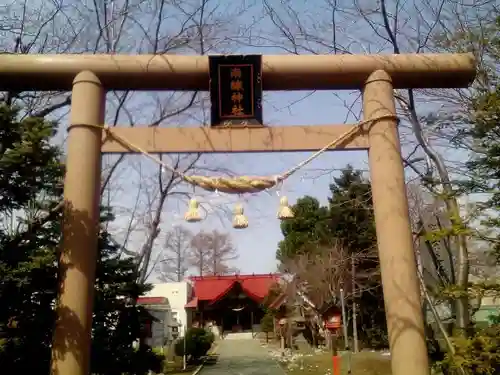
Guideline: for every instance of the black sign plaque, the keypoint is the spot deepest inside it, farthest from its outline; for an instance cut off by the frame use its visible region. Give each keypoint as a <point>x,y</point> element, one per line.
<point>236,90</point>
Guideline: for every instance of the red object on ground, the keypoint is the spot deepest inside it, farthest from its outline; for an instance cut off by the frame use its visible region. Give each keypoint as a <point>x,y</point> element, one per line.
<point>213,288</point>
<point>336,365</point>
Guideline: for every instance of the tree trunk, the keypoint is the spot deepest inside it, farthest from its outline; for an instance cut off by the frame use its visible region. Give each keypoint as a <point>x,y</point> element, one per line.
<point>354,312</point>
<point>179,262</point>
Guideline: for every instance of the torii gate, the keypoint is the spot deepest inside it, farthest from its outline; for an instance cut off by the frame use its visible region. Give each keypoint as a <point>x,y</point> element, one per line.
<point>89,76</point>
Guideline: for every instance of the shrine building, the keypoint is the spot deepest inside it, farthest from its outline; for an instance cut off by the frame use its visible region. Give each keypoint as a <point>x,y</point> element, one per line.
<point>233,303</point>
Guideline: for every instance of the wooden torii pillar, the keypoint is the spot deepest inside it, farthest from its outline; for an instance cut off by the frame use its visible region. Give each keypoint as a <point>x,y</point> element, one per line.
<point>89,76</point>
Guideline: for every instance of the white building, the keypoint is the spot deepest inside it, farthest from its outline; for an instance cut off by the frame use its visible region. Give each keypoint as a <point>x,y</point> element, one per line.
<point>161,331</point>
<point>177,294</point>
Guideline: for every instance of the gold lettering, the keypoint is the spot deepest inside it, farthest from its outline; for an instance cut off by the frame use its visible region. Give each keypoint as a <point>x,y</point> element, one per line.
<point>237,97</point>
<point>237,110</point>
<point>236,85</point>
<point>235,73</point>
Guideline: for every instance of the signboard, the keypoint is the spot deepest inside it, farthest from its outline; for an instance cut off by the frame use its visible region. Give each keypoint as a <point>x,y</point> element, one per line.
<point>333,322</point>
<point>236,90</point>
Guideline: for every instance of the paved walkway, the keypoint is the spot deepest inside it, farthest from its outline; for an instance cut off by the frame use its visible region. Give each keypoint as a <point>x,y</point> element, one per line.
<point>242,357</point>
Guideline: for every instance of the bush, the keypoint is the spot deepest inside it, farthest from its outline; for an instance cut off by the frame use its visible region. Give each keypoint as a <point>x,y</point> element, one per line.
<point>198,343</point>
<point>145,359</point>
<point>267,324</point>
<point>375,337</point>
<point>478,354</point>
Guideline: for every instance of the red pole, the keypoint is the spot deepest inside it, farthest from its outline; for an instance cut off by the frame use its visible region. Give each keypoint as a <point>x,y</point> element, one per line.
<point>335,356</point>
<point>336,365</point>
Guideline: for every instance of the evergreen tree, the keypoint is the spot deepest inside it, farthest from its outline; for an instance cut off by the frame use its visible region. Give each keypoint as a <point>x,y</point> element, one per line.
<point>267,324</point>
<point>485,132</point>
<point>478,128</point>
<point>351,211</point>
<point>484,120</point>
<point>348,220</point>
<point>30,185</point>
<point>353,224</point>
<point>306,231</point>
<point>30,175</point>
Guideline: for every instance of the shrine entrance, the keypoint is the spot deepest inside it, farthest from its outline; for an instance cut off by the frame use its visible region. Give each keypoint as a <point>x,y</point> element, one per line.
<point>90,76</point>
<point>237,311</point>
<point>232,302</point>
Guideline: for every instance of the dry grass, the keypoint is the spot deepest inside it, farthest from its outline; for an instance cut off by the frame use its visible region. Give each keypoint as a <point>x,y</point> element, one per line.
<point>365,363</point>
<point>175,367</point>
<point>188,371</point>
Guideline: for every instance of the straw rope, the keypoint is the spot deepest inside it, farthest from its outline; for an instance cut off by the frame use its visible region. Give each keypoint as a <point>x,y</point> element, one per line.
<point>241,184</point>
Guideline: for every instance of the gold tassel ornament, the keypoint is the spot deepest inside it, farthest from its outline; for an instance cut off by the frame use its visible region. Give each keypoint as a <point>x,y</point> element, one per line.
<point>285,212</point>
<point>239,219</point>
<point>192,215</point>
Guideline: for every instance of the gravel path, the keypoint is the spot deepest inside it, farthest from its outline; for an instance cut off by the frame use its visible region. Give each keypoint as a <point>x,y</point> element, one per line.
<point>242,357</point>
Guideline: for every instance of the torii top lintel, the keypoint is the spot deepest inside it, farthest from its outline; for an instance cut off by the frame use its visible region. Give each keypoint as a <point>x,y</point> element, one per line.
<point>56,72</point>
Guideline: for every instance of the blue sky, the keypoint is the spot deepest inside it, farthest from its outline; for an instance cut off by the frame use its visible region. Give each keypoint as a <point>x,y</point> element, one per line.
<point>257,244</point>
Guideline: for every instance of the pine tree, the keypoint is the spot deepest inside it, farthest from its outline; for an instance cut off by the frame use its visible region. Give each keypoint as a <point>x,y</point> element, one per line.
<point>349,221</point>
<point>308,230</point>
<point>479,127</point>
<point>30,186</point>
<point>353,224</point>
<point>485,131</point>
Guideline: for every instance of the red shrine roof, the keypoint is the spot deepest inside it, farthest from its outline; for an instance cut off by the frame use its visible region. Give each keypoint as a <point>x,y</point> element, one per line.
<point>213,288</point>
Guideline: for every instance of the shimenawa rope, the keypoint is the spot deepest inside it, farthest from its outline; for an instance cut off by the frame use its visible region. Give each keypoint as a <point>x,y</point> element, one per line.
<point>241,184</point>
